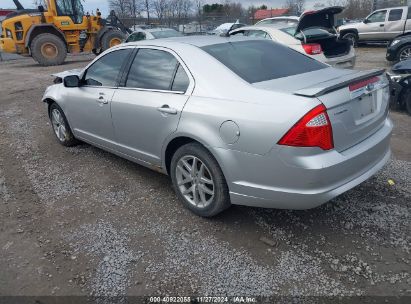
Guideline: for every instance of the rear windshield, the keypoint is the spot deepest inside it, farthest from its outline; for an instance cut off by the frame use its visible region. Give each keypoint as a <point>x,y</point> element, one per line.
<point>262,60</point>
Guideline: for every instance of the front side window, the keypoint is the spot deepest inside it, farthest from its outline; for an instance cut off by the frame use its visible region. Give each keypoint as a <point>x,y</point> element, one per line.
<point>377,17</point>
<point>395,15</point>
<point>72,8</point>
<point>105,71</point>
<point>152,69</point>
<point>254,61</point>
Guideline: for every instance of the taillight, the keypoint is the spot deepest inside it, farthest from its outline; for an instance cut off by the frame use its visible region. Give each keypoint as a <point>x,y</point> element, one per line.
<point>312,48</point>
<point>358,85</point>
<point>313,130</point>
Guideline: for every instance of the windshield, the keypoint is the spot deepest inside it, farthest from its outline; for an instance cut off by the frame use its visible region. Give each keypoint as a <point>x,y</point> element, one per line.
<point>72,8</point>
<point>166,34</point>
<point>262,60</point>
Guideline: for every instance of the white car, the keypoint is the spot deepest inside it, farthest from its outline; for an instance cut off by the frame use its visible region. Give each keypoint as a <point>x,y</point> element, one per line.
<point>275,20</point>
<point>313,35</point>
<point>225,28</point>
<point>150,34</point>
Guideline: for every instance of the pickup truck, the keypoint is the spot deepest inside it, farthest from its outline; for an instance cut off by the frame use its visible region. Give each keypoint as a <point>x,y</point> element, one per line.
<point>382,25</point>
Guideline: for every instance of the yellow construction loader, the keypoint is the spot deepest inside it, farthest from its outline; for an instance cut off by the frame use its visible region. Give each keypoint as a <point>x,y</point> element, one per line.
<point>48,34</point>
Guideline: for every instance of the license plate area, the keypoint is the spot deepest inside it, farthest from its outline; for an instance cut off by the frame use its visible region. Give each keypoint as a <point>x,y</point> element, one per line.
<point>365,106</point>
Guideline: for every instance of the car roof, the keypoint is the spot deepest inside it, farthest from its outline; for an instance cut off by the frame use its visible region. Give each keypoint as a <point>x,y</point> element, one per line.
<point>391,8</point>
<point>199,41</point>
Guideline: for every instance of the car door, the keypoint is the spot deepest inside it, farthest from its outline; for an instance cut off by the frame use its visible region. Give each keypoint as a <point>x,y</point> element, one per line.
<point>89,104</point>
<point>372,27</point>
<point>147,106</point>
<point>394,25</point>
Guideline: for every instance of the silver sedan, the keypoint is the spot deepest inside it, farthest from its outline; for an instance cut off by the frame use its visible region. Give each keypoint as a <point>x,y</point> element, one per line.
<point>229,122</point>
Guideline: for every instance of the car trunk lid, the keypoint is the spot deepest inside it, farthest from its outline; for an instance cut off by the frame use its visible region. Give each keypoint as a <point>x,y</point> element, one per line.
<point>356,101</point>
<point>322,18</point>
<point>318,27</point>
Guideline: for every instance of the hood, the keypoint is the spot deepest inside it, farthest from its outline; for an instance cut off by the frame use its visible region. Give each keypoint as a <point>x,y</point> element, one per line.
<point>67,73</point>
<point>321,18</point>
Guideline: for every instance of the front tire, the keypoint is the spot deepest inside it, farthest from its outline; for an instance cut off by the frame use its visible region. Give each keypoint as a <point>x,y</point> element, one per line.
<point>48,49</point>
<point>61,127</point>
<point>198,180</point>
<point>352,37</point>
<point>404,53</point>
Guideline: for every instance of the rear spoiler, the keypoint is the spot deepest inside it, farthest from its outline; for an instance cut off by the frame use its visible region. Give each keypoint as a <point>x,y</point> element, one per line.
<point>335,84</point>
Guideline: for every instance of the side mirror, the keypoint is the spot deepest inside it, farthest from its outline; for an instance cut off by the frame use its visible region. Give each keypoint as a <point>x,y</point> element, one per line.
<point>71,81</point>
<point>366,21</point>
<point>41,8</point>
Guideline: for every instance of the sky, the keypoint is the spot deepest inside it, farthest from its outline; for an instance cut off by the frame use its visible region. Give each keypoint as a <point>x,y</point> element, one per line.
<point>91,5</point>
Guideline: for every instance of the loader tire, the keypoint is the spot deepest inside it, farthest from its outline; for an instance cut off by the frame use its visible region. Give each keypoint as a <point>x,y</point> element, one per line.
<point>48,49</point>
<point>111,38</point>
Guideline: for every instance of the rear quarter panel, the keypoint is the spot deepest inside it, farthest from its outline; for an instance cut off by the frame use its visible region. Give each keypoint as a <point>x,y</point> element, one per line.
<point>260,124</point>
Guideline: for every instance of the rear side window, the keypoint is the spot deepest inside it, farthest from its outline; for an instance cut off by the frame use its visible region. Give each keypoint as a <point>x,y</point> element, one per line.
<point>181,80</point>
<point>395,15</point>
<point>105,71</point>
<point>153,70</point>
<point>262,60</point>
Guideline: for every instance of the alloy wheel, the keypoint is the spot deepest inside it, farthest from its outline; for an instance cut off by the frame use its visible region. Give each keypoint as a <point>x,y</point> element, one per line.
<point>405,54</point>
<point>195,181</point>
<point>59,125</point>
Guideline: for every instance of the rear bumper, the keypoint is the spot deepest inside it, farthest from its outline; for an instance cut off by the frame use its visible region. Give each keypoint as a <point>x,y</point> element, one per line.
<point>346,61</point>
<point>303,178</point>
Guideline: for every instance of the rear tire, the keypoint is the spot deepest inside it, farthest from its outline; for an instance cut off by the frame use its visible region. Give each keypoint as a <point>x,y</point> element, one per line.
<point>209,193</point>
<point>111,38</point>
<point>48,49</point>
<point>352,37</point>
<point>61,127</point>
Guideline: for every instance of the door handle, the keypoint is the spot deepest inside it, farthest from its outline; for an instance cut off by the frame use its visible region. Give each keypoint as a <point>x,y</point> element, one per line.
<point>166,109</point>
<point>381,25</point>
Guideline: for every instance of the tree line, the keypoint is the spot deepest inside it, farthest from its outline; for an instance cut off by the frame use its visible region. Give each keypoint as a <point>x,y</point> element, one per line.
<point>175,11</point>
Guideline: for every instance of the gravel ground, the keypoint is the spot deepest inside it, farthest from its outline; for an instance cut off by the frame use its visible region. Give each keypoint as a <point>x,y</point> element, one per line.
<point>80,221</point>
